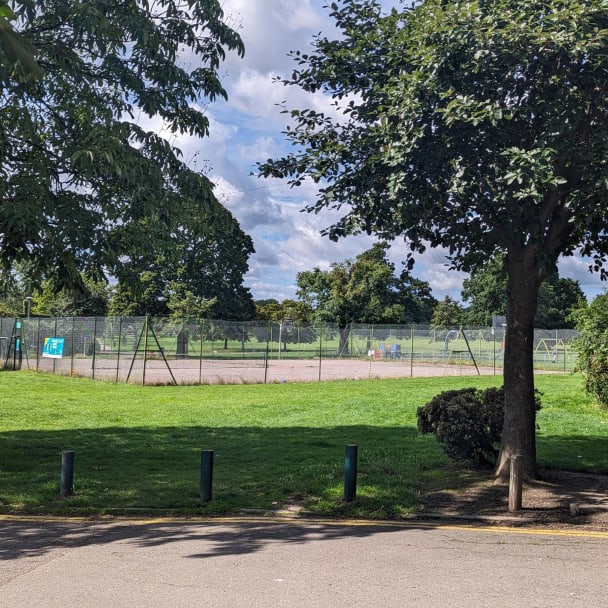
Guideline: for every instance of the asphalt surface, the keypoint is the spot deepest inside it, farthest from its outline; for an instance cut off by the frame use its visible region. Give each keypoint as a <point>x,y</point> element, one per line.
<point>270,563</point>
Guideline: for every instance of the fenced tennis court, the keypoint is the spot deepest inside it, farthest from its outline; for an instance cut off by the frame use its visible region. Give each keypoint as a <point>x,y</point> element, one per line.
<point>156,350</point>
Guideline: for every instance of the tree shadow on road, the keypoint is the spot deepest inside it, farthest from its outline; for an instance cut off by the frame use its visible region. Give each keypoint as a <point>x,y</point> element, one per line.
<point>28,538</point>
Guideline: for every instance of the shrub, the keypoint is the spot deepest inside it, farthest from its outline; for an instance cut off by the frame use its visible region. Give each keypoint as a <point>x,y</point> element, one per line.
<point>467,422</point>
<point>592,347</point>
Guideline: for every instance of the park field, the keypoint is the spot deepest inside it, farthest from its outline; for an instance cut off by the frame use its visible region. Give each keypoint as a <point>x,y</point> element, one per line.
<point>277,446</point>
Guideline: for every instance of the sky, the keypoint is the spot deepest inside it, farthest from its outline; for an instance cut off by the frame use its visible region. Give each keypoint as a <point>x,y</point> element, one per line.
<point>248,128</point>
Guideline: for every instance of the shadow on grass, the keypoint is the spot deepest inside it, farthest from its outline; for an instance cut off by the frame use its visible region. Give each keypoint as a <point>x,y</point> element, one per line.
<point>151,471</point>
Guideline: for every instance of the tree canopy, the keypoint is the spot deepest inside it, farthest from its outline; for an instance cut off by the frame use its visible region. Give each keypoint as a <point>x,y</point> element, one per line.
<point>365,290</point>
<point>476,126</point>
<point>558,299</point>
<point>447,313</point>
<point>198,273</point>
<point>86,182</point>
<point>272,310</point>
<point>89,301</point>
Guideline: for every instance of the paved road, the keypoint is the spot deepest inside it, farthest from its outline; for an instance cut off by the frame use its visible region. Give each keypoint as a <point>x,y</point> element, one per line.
<point>58,564</point>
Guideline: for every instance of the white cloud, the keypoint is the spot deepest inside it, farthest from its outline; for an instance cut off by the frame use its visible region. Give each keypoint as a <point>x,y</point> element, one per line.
<point>247,129</point>
<point>577,268</point>
<point>261,148</point>
<point>271,28</point>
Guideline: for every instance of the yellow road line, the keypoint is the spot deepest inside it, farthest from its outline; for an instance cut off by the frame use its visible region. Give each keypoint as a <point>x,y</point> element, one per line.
<point>410,524</point>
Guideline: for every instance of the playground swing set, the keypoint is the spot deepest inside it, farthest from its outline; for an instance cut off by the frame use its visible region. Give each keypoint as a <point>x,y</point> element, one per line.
<point>460,350</point>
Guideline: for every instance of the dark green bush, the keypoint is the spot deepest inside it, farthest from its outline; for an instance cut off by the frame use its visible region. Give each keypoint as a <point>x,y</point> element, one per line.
<point>467,422</point>
<point>592,347</point>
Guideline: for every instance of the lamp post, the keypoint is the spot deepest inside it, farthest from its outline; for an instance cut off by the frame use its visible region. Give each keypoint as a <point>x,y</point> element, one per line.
<point>28,306</point>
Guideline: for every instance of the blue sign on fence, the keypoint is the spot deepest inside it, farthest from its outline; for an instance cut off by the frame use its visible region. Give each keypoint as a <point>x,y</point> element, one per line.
<point>53,348</point>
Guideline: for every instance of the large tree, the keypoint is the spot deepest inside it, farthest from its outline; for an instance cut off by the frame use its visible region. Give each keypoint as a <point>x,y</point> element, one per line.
<point>198,272</point>
<point>558,299</point>
<point>86,182</point>
<point>447,313</point>
<point>485,292</point>
<point>365,290</point>
<point>476,126</point>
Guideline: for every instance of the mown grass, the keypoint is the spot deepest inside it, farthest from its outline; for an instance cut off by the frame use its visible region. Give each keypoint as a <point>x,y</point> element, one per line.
<point>138,448</point>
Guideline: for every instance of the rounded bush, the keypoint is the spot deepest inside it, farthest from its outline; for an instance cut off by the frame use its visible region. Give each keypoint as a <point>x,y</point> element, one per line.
<point>467,422</point>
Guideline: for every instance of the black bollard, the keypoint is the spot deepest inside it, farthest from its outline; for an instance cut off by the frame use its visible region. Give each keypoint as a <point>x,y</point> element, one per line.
<point>350,473</point>
<point>66,485</point>
<point>206,474</point>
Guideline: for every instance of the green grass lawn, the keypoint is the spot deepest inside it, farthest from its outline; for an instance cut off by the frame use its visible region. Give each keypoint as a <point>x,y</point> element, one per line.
<point>138,448</point>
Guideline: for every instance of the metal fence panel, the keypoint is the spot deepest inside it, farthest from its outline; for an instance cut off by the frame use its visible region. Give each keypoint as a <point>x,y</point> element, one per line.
<point>188,351</point>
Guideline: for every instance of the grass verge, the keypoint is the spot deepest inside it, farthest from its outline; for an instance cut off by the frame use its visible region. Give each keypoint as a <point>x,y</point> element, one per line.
<point>276,446</point>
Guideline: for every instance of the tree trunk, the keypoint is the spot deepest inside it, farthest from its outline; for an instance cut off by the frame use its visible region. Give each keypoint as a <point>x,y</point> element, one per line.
<point>519,430</point>
<point>344,332</point>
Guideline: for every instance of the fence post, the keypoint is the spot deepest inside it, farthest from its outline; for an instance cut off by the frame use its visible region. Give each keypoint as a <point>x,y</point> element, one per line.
<point>118,346</point>
<point>143,373</point>
<point>320,350</point>
<point>413,329</point>
<point>94,346</point>
<point>37,344</point>
<point>73,348</point>
<point>299,343</point>
<point>212,338</point>
<point>267,352</point>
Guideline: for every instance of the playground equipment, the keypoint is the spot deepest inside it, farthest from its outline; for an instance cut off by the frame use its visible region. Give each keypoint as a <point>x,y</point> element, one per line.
<point>460,351</point>
<point>147,331</point>
<point>551,348</point>
<point>13,347</point>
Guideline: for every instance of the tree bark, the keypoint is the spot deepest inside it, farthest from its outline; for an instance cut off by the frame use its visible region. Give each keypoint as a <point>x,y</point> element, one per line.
<point>519,429</point>
<point>344,332</point>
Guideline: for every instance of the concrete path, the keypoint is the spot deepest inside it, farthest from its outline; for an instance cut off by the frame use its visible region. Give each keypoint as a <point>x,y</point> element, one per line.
<point>267,563</point>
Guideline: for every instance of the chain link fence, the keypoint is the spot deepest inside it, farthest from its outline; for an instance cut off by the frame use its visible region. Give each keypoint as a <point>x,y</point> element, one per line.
<point>184,351</point>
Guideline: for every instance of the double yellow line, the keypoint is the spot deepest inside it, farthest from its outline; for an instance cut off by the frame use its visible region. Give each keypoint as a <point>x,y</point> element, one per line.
<point>304,521</point>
